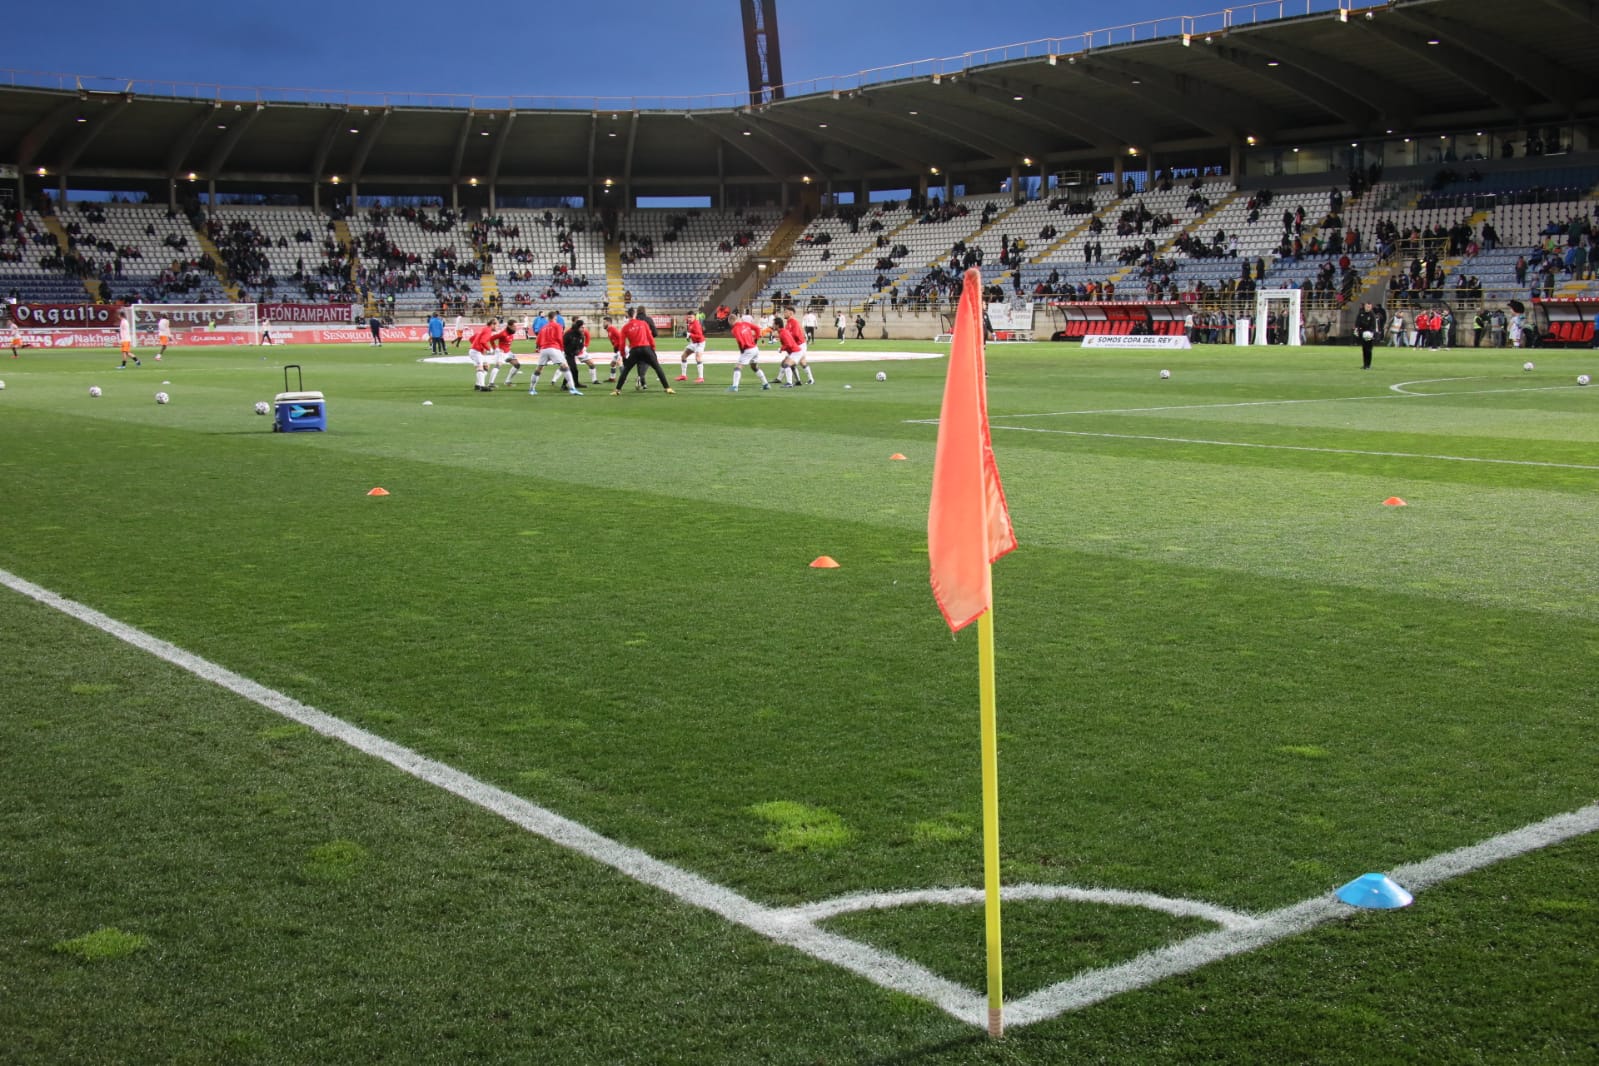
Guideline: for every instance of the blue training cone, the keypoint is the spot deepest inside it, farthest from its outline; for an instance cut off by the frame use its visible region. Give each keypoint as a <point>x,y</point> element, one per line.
<point>1375,892</point>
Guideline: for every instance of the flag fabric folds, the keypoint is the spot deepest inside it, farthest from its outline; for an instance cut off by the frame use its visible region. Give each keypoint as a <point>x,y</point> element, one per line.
<point>968,524</point>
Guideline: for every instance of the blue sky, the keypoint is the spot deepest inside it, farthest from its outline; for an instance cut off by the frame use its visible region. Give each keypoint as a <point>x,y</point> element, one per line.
<point>503,48</point>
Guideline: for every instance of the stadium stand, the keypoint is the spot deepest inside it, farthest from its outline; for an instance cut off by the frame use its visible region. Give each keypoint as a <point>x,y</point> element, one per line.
<point>299,255</point>
<point>414,260</point>
<point>32,268</point>
<point>672,258</point>
<point>545,256</point>
<point>143,250</point>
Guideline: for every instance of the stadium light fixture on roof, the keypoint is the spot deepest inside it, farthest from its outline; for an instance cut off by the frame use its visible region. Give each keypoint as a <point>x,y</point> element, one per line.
<point>1018,98</point>
<point>193,176</point>
<point>1027,161</point>
<point>821,125</point>
<point>81,117</point>
<point>472,182</point>
<point>355,129</point>
<point>1273,63</point>
<point>222,125</point>
<point>43,172</point>
<point>334,179</point>
<point>1251,139</point>
<point>1433,40</point>
<point>932,170</point>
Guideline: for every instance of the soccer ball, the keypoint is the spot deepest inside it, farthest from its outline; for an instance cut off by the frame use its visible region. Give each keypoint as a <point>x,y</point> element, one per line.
<point>1366,335</point>
<point>1164,374</point>
<point>881,376</point>
<point>94,390</point>
<point>162,397</point>
<point>1526,366</point>
<point>2,386</point>
<point>261,408</point>
<point>1582,379</point>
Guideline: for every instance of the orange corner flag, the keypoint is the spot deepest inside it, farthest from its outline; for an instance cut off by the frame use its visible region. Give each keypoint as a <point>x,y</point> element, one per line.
<point>379,491</point>
<point>824,562</point>
<point>968,524</point>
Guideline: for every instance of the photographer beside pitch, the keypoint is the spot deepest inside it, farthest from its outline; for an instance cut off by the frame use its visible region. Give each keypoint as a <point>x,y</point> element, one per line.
<point>1368,327</point>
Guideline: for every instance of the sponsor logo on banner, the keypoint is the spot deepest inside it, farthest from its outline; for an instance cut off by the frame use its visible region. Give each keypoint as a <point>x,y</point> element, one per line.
<point>338,313</point>
<point>1103,340</point>
<point>65,314</point>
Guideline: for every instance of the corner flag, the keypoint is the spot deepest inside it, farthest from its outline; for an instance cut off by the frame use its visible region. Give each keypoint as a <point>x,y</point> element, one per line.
<point>968,528</point>
<point>968,525</point>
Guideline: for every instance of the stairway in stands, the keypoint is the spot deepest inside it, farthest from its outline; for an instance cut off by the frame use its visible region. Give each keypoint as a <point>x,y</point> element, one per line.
<point>207,246</point>
<point>615,291</point>
<point>53,225</point>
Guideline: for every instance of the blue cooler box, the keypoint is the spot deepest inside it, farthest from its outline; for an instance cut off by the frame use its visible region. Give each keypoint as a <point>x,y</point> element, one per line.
<point>299,412</point>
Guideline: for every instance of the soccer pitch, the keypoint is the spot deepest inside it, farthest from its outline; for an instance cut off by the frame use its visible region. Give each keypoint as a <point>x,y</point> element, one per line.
<point>1230,680</point>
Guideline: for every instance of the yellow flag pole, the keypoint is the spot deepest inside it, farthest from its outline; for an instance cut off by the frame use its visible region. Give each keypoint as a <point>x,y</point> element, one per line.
<point>996,967</point>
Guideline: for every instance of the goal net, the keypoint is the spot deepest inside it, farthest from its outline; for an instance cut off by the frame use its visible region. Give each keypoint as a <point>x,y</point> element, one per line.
<point>196,324</point>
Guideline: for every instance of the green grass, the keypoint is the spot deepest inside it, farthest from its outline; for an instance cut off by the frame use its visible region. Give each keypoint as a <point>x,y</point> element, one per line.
<point>1224,672</point>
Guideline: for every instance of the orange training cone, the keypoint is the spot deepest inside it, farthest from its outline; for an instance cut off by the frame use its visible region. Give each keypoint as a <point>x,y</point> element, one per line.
<point>897,457</point>
<point>379,491</point>
<point>1394,501</point>
<point>824,562</point>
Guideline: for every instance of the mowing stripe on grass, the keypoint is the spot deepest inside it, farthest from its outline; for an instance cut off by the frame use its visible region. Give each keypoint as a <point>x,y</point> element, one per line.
<point>1296,448</point>
<point>795,926</point>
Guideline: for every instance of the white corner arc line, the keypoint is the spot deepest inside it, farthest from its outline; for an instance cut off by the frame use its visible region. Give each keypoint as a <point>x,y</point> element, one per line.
<point>1181,908</point>
<point>792,926</point>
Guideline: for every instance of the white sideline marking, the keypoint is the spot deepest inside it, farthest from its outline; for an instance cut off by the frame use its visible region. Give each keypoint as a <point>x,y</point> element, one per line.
<point>1297,448</point>
<point>796,926</point>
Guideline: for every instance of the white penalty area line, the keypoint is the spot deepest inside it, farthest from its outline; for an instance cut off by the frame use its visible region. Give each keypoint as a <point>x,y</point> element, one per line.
<point>796,926</point>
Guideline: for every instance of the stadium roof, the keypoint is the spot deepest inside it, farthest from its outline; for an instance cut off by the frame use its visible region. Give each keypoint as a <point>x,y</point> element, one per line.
<point>1185,90</point>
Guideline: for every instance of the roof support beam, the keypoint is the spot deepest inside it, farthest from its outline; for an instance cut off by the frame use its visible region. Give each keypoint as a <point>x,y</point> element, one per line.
<point>1044,101</point>
<point>1472,73</point>
<point>1330,95</point>
<point>498,152</point>
<point>235,133</point>
<point>1189,99</point>
<point>40,133</point>
<point>1549,78</point>
<point>324,144</point>
<point>96,125</point>
<point>1377,92</point>
<point>460,145</point>
<point>874,147</point>
<point>185,142</point>
<point>369,138</point>
<point>762,158</point>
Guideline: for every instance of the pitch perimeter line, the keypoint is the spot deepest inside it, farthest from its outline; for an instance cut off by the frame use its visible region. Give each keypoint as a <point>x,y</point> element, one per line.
<point>794,926</point>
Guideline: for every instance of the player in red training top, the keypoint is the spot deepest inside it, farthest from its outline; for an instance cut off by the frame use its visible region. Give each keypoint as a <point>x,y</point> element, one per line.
<point>696,348</point>
<point>748,338</point>
<point>788,346</point>
<point>481,350</point>
<point>639,333</point>
<point>502,342</point>
<point>796,332</point>
<point>618,347</point>
<point>552,349</point>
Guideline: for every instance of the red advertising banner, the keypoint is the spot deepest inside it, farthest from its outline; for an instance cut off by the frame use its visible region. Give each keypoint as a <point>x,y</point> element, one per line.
<point>44,316</point>
<point>211,338</point>
<point>336,314</point>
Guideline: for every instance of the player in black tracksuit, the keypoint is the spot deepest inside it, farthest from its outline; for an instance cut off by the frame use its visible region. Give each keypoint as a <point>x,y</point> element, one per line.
<point>572,344</point>
<point>1367,329</point>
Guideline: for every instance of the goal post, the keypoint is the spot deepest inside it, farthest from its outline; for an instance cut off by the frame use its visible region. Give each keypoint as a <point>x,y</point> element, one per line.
<point>227,323</point>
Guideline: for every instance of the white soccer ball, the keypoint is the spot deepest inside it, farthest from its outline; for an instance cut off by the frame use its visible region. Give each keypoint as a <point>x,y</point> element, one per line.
<point>2,386</point>
<point>94,390</point>
<point>1582,379</point>
<point>1164,374</point>
<point>1366,335</point>
<point>849,386</point>
<point>162,397</point>
<point>881,376</point>
<point>1526,366</point>
<point>262,407</point>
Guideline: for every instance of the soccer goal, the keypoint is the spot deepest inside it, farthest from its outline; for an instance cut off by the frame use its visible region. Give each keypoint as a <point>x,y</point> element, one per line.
<point>199,323</point>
